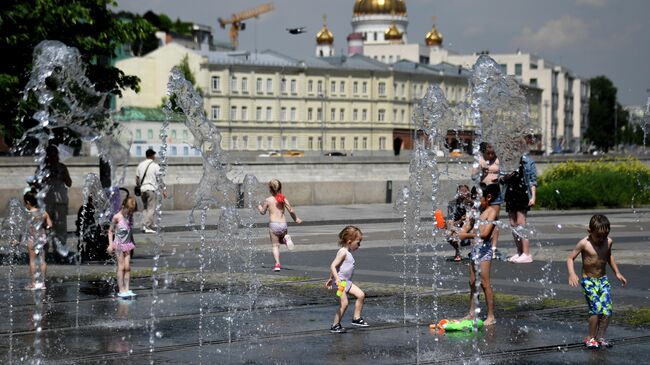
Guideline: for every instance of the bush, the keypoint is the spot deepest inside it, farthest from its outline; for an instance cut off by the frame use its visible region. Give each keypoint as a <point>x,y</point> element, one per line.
<point>609,183</point>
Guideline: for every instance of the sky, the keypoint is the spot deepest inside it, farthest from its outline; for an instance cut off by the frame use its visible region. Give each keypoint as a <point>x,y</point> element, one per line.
<point>590,37</point>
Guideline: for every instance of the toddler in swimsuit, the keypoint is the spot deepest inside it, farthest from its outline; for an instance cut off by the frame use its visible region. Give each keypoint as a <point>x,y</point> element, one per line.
<point>276,205</point>
<point>596,250</point>
<point>482,252</point>
<point>120,241</point>
<point>342,268</point>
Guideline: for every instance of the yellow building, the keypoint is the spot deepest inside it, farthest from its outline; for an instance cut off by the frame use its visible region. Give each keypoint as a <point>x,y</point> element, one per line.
<point>269,101</point>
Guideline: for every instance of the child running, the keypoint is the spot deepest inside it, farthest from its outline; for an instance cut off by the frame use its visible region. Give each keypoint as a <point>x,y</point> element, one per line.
<point>596,251</point>
<point>482,252</point>
<point>342,269</point>
<point>276,204</point>
<point>36,239</point>
<point>120,241</point>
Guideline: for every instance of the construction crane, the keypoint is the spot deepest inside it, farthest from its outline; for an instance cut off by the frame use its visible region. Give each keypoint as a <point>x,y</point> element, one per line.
<point>237,24</point>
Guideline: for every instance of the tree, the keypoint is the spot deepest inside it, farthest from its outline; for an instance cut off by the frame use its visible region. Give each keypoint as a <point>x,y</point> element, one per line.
<point>88,25</point>
<point>605,115</point>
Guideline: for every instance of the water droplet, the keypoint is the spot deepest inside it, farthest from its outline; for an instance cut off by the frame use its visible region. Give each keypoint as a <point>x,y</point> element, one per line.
<point>557,192</point>
<point>558,227</point>
<point>159,334</point>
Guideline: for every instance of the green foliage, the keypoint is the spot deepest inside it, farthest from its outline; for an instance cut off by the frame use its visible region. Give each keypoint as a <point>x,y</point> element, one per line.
<point>609,183</point>
<point>88,25</point>
<point>605,114</point>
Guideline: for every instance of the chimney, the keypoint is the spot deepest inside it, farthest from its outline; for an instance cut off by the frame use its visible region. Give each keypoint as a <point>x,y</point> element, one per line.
<point>355,44</point>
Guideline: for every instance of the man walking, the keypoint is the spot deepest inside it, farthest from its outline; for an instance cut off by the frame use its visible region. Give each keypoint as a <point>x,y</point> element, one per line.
<point>147,178</point>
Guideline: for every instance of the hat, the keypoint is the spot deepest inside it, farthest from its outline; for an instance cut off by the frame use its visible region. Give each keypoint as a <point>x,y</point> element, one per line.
<point>150,152</point>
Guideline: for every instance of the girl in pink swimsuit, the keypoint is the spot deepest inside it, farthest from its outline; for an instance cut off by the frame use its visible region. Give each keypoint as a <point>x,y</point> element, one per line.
<point>120,241</point>
<point>276,205</point>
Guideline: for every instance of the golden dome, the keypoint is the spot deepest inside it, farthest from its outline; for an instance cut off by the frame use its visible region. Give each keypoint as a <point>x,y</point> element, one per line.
<point>368,7</point>
<point>324,36</point>
<point>392,34</point>
<point>433,38</point>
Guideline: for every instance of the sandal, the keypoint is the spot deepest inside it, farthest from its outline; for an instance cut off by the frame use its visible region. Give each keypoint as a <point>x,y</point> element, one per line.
<point>457,258</point>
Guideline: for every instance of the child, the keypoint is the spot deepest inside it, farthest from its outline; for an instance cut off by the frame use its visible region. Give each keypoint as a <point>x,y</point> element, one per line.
<point>40,222</point>
<point>596,250</point>
<point>456,216</point>
<point>482,251</point>
<point>276,204</point>
<point>342,268</point>
<point>120,240</point>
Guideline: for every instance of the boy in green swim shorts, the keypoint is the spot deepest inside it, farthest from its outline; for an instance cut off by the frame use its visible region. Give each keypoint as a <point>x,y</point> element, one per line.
<point>596,250</point>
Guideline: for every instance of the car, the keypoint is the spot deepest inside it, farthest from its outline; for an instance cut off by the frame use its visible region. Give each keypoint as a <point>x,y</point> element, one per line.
<point>456,153</point>
<point>270,154</point>
<point>293,153</point>
<point>335,153</point>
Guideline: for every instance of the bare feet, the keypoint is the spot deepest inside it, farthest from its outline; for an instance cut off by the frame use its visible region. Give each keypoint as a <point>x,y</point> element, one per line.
<point>489,321</point>
<point>467,317</point>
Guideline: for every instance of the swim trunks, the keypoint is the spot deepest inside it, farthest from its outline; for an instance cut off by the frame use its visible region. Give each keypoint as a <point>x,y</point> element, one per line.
<point>482,251</point>
<point>597,292</point>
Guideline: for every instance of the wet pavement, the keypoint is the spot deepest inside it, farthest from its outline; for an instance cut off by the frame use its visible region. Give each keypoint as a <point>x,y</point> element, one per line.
<point>238,311</point>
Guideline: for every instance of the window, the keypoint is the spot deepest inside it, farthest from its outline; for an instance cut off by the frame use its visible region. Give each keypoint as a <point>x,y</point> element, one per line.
<point>382,143</point>
<point>401,119</point>
<point>320,143</point>
<point>294,86</point>
<point>233,84</point>
<point>333,87</point>
<point>294,142</point>
<point>333,143</point>
<point>364,114</point>
<point>284,143</point>
<point>216,83</point>
<point>269,113</point>
<point>310,113</point>
<point>283,114</point>
<point>269,86</point>
<point>233,142</point>
<point>319,86</point>
<point>244,84</point>
<point>283,85</point>
<point>319,114</point>
<point>244,142</point>
<point>533,82</point>
<point>518,69</point>
<point>293,114</point>
<point>364,143</point>
<point>381,115</point>
<point>258,113</point>
<point>186,151</point>
<point>174,134</point>
<point>355,113</point>
<point>173,151</point>
<point>355,145</point>
<point>381,89</point>
<point>149,134</point>
<point>310,86</point>
<point>258,85</point>
<point>504,68</point>
<point>259,142</point>
<point>394,115</point>
<point>138,151</point>
<point>138,134</point>
<point>355,87</point>
<point>342,87</point>
<point>364,87</point>
<point>342,115</point>
<point>533,66</point>
<point>310,143</point>
<point>269,142</point>
<point>244,113</point>
<point>333,114</point>
<point>233,112</point>
<point>185,135</point>
<point>342,143</point>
